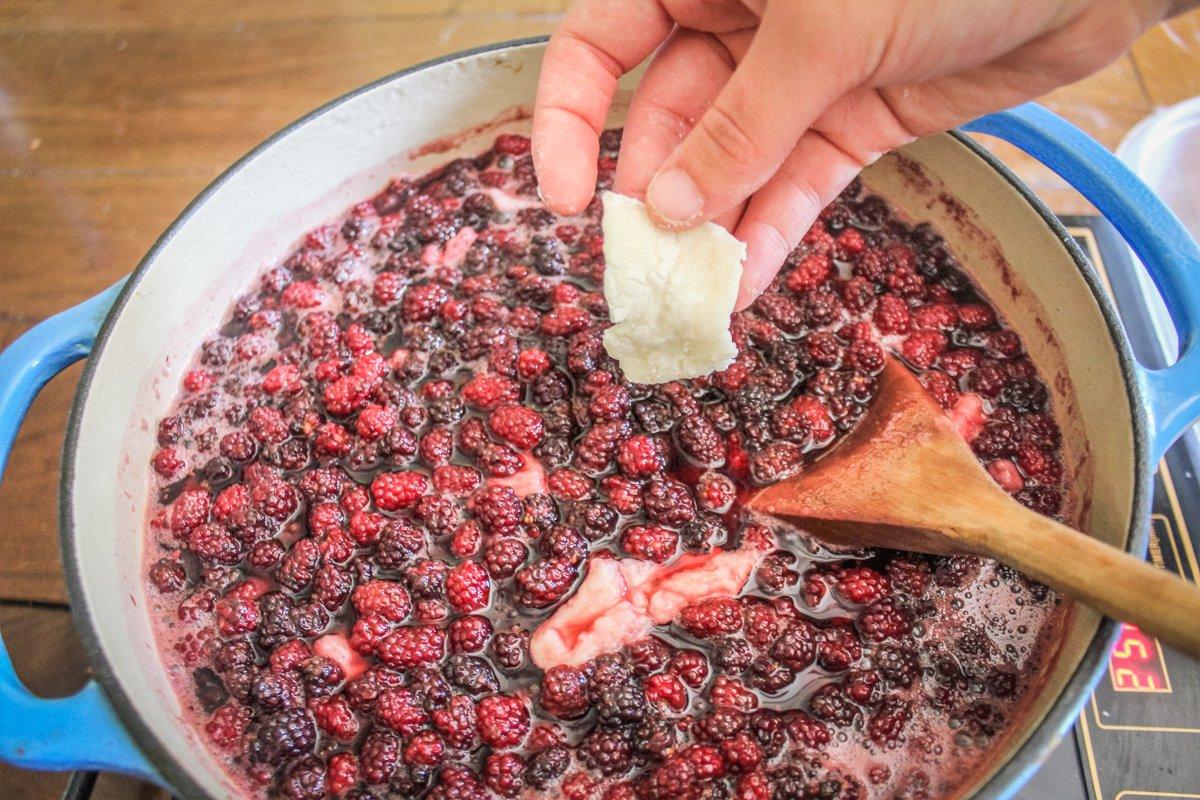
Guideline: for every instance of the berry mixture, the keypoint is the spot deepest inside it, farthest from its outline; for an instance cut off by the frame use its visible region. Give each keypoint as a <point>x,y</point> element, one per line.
<point>416,536</point>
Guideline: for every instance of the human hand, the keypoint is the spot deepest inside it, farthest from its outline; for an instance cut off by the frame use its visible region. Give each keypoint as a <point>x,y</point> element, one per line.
<point>756,113</point>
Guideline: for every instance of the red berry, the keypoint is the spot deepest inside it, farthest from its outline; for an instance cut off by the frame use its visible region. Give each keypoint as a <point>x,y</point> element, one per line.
<point>650,542</point>
<point>393,491</point>
<point>520,426</point>
<point>641,456</point>
<point>503,720</point>
<point>486,391</point>
<point>668,689</point>
<point>862,585</point>
<point>711,617</point>
<point>468,587</point>
<point>413,646</point>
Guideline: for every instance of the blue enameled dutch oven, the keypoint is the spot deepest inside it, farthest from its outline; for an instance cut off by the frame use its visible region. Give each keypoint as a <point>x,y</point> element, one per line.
<point>1117,416</point>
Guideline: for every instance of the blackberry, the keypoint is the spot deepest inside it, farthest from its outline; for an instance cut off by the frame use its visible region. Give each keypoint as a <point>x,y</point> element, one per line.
<point>733,655</point>
<point>607,751</point>
<point>399,544</point>
<point>282,737</point>
<point>703,533</point>
<point>540,510</point>
<point>621,704</point>
<point>897,663</point>
<point>472,674</point>
<point>546,766</point>
<point>655,737</point>
<point>566,543</point>
<point>378,756</point>
<point>276,625</point>
<point>321,676</point>
<point>546,253</point>
<point>278,690</point>
<point>751,404</point>
<point>310,619</point>
<point>594,520</point>
<point>668,502</point>
<point>510,648</point>
<point>653,417</point>
<point>303,780</point>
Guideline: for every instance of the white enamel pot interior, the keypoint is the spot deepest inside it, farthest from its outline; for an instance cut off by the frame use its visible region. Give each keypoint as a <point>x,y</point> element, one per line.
<point>314,170</point>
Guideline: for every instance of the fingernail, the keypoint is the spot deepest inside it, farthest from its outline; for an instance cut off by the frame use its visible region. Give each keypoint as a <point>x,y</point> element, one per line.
<point>674,197</point>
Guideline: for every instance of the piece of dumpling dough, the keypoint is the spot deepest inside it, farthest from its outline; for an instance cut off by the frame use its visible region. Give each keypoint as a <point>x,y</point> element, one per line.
<point>670,293</point>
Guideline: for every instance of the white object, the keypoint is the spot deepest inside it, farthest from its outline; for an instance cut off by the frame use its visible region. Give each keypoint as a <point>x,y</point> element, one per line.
<point>670,293</point>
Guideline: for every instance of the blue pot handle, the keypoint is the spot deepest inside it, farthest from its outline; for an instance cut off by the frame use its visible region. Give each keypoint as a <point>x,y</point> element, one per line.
<point>1151,229</point>
<point>81,731</point>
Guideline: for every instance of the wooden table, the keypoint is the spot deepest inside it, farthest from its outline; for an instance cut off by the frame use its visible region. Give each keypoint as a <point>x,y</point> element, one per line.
<point>115,113</point>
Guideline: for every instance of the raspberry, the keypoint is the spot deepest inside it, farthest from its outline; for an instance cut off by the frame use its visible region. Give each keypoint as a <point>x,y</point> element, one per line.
<point>456,722</point>
<point>486,392</point>
<point>598,447</point>
<point>400,710</point>
<point>499,509</point>
<point>413,646</point>
<point>189,510</point>
<point>806,730</point>
<point>862,585</point>
<point>274,498</point>
<point>567,484</point>
<point>468,587</point>
<point>512,144</point>
<point>715,492</point>
<point>424,749</point>
<point>213,545</point>
<point>609,403</point>
<point>503,720</point>
<point>388,599</point>
<point>228,724</point>
<point>922,348</point>
<point>436,447</point>
<point>887,723</point>
<point>813,270</point>
<point>885,620</point>
<point>564,692</point>
<point>891,314</point>
<point>504,774</point>
<point>1038,464</point>
<point>641,456</point>
<point>532,363</point>
<point>667,689</point>
<point>650,542</point>
<point>545,582</point>
<point>711,617</point>
<point>335,717</point>
<point>763,626</point>
<point>393,491</point>
<point>469,634</point>
<point>375,422</point>
<point>838,647</point>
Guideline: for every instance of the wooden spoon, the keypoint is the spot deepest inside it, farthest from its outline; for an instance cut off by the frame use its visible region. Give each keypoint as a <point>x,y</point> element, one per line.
<point>903,478</point>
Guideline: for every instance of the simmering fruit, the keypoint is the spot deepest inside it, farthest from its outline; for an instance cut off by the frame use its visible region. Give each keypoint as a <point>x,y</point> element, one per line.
<point>416,534</point>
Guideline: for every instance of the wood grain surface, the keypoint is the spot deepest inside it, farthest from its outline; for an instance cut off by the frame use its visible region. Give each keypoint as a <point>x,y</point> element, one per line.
<point>115,113</point>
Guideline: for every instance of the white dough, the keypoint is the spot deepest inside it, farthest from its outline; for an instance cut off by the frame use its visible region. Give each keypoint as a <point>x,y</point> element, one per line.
<point>670,294</point>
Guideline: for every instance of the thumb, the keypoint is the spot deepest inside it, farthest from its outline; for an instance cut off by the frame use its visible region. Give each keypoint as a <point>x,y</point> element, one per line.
<point>783,83</point>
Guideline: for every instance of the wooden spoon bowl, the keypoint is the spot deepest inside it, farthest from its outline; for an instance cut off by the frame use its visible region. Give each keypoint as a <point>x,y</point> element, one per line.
<point>905,479</point>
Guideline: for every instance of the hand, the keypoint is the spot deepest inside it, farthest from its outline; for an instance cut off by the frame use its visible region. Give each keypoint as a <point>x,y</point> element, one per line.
<point>756,113</point>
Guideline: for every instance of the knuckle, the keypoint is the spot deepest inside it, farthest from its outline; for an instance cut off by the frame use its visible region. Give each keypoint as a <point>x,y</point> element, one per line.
<point>730,140</point>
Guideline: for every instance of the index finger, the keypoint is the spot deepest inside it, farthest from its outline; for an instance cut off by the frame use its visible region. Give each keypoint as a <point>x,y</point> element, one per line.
<point>597,43</point>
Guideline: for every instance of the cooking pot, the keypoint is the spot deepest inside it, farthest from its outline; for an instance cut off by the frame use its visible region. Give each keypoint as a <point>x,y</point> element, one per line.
<point>1117,416</point>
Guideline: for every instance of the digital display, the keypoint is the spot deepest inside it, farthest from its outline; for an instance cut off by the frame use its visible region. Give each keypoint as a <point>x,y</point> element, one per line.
<point>1136,663</point>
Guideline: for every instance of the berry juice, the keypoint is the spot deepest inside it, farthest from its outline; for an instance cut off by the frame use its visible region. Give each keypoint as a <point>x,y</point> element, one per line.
<point>406,456</point>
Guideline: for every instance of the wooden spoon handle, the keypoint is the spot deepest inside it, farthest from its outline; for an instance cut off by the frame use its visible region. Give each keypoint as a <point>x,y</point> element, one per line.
<point>1105,578</point>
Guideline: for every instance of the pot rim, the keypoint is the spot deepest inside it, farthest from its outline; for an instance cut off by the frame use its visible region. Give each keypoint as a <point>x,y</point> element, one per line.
<point>1004,781</point>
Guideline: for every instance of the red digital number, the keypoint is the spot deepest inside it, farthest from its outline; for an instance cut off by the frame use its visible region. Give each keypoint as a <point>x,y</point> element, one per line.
<point>1135,664</point>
